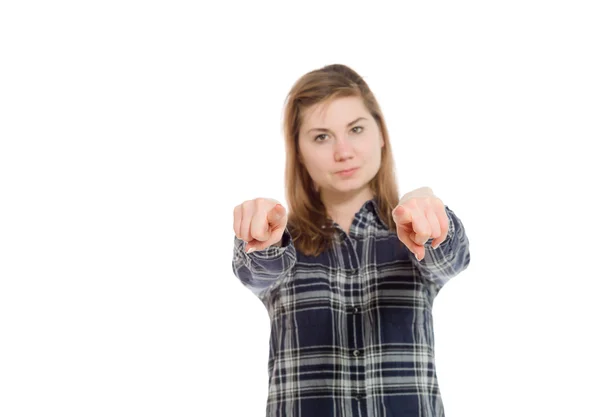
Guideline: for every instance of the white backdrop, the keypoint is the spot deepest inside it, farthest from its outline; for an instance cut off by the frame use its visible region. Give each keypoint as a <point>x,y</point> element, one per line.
<point>130,130</point>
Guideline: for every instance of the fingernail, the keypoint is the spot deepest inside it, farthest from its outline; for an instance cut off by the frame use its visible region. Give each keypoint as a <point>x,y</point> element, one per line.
<point>251,250</point>
<point>436,246</point>
<point>417,257</point>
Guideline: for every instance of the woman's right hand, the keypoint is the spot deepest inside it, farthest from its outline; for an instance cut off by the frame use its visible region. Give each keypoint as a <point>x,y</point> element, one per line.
<point>259,222</point>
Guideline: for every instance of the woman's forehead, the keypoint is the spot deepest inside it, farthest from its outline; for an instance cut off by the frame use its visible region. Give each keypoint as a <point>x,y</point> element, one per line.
<point>333,111</point>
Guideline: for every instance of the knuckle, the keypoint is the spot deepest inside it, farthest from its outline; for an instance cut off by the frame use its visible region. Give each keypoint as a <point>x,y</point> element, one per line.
<point>262,235</point>
<point>257,229</point>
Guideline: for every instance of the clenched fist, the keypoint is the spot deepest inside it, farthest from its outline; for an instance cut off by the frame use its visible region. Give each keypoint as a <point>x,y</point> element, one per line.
<point>259,222</point>
<point>419,216</point>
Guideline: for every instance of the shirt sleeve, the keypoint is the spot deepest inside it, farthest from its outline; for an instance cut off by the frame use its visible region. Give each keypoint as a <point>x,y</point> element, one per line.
<point>260,270</point>
<point>450,258</point>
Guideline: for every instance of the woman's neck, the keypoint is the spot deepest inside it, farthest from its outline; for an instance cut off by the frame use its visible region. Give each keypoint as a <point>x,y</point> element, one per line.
<point>342,208</point>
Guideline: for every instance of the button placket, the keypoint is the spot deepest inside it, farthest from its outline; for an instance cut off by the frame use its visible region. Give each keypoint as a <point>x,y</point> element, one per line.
<point>353,309</point>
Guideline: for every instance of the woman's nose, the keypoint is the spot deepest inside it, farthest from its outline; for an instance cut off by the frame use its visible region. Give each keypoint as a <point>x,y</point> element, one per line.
<point>342,147</point>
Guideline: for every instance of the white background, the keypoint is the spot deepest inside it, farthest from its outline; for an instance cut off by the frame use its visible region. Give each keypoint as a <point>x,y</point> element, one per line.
<point>130,130</point>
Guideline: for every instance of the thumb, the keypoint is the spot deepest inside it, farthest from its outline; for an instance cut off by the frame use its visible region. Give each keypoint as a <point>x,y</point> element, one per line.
<point>276,215</point>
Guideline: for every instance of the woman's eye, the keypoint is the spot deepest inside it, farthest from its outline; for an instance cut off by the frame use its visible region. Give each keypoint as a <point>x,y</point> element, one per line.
<point>355,127</point>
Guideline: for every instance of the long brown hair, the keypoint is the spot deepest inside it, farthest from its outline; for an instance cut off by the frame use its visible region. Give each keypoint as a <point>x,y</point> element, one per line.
<point>306,212</point>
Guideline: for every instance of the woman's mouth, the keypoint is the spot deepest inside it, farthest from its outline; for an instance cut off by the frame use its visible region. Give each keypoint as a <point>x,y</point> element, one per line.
<point>347,172</point>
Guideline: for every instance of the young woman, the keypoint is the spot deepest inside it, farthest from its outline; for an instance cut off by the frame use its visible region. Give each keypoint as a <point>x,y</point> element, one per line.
<point>349,276</point>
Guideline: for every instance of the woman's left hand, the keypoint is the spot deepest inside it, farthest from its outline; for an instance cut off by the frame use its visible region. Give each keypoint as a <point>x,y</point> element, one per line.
<point>419,216</point>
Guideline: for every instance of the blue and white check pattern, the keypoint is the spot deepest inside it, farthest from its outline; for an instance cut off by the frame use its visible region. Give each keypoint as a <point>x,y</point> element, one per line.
<point>352,329</point>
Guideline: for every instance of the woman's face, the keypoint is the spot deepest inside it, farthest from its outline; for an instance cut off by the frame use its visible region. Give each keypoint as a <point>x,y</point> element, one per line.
<point>338,137</point>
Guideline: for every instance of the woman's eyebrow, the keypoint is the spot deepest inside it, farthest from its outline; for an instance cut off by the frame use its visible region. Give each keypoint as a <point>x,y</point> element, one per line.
<point>327,130</point>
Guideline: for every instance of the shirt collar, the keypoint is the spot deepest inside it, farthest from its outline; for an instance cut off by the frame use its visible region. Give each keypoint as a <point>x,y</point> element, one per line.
<point>371,206</point>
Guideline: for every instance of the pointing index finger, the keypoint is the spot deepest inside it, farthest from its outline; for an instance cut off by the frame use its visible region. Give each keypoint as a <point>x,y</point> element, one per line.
<point>401,215</point>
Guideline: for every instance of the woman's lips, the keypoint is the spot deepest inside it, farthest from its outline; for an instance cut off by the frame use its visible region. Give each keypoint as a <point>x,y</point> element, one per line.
<point>347,173</point>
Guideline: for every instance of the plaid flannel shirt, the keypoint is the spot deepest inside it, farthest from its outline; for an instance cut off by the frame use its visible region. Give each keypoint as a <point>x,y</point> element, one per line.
<point>352,329</point>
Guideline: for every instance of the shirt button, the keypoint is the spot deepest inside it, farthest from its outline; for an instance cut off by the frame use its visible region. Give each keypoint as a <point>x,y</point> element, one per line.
<point>355,309</point>
<point>359,396</point>
<point>356,352</point>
